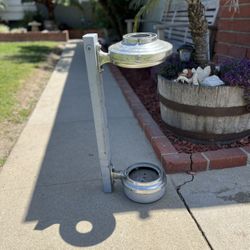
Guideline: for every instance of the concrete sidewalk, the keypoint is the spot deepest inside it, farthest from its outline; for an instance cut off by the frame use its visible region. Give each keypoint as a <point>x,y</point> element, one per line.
<point>50,187</point>
<point>51,191</point>
<point>220,203</point>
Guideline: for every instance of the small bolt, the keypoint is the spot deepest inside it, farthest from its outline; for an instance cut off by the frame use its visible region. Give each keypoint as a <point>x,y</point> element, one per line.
<point>88,47</point>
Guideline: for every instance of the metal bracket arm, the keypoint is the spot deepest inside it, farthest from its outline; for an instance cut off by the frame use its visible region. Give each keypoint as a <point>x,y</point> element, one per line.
<point>103,57</point>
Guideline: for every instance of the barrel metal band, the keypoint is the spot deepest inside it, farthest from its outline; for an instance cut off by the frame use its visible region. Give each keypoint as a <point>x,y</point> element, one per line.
<point>207,137</point>
<point>204,111</point>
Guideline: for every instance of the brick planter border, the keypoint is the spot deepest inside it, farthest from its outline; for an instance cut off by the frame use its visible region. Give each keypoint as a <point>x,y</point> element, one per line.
<point>34,36</point>
<point>77,33</point>
<point>171,160</point>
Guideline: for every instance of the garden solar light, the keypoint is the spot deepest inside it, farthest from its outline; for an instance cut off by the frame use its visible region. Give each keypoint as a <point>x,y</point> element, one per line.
<point>142,182</point>
<point>185,52</point>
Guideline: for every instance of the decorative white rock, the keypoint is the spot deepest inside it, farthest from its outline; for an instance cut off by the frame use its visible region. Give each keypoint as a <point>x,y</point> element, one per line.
<point>184,79</point>
<point>195,77</point>
<point>203,73</point>
<point>212,81</point>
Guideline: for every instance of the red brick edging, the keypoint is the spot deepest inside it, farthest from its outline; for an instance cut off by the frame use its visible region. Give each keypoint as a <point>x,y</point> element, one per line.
<point>35,36</point>
<point>172,161</point>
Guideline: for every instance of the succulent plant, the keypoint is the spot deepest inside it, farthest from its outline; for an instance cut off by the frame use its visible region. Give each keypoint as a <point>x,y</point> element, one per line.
<point>173,66</point>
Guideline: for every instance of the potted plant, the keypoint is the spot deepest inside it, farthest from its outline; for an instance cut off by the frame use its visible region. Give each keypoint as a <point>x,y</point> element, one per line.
<point>200,112</point>
<point>206,113</point>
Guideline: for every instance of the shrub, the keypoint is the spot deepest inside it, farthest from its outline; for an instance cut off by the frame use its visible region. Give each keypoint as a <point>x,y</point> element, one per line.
<point>18,30</point>
<point>173,66</point>
<point>30,16</point>
<point>4,28</point>
<point>236,72</point>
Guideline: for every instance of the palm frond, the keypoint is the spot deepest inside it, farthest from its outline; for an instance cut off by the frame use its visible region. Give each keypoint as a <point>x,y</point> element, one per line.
<point>135,4</point>
<point>3,4</point>
<point>146,6</point>
<point>78,5</point>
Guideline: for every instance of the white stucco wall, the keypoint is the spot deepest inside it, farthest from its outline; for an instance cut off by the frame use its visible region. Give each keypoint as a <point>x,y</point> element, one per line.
<point>68,15</point>
<point>15,10</point>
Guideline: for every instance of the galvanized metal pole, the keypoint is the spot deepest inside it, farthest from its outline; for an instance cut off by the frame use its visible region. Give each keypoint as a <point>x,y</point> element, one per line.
<point>91,46</point>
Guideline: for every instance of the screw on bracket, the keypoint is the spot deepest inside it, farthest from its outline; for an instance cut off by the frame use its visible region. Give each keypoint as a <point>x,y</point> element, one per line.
<point>88,47</point>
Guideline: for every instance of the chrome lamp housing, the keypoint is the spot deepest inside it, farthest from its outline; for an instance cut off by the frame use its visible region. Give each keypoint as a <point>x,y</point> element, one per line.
<point>139,50</point>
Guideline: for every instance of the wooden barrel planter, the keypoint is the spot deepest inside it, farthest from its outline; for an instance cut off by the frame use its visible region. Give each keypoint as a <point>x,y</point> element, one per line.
<point>207,114</point>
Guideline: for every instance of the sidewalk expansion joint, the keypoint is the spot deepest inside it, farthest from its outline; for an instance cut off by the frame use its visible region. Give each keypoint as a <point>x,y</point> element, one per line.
<point>178,190</point>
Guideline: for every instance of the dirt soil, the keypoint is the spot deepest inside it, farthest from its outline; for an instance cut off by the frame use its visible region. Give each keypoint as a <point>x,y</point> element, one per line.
<point>145,87</point>
<point>27,98</point>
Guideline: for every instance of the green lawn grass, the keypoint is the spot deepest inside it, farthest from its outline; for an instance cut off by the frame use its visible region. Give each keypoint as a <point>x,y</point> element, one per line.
<point>17,62</point>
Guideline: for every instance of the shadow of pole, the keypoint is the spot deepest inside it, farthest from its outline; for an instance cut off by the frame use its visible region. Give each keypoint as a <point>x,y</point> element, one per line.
<point>68,188</point>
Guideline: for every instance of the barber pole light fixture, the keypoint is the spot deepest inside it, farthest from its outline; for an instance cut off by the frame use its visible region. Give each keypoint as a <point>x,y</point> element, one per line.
<point>142,182</point>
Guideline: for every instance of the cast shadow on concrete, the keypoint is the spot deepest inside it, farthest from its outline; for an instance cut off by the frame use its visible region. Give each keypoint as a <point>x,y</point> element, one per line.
<point>68,191</point>
<point>32,53</point>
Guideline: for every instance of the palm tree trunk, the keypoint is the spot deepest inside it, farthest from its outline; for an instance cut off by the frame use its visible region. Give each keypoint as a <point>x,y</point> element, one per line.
<point>199,30</point>
<point>51,7</point>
